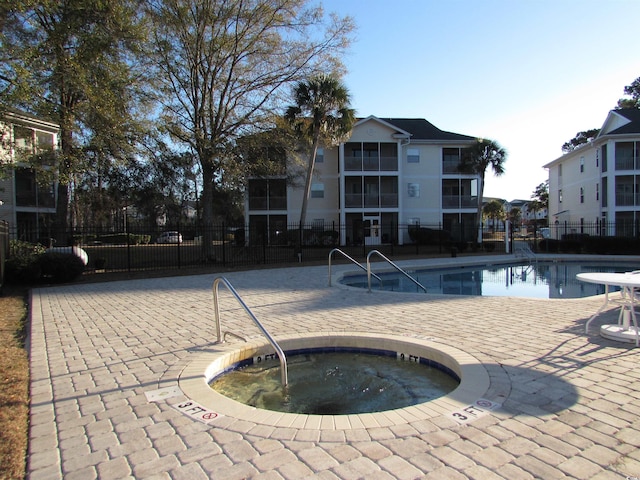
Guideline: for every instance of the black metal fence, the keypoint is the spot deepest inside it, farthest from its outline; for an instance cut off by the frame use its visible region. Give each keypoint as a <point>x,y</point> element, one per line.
<point>259,244</point>
<point>234,246</point>
<point>4,249</point>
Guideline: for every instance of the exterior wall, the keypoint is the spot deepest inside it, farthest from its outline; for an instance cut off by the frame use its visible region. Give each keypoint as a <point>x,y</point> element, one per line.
<point>574,187</point>
<point>420,188</point>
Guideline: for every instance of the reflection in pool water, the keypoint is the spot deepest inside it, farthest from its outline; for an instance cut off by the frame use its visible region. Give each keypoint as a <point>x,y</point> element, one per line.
<point>535,280</point>
<point>336,383</point>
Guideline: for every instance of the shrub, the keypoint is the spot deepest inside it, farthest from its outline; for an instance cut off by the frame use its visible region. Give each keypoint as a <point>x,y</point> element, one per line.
<point>58,267</point>
<point>489,246</point>
<point>22,265</point>
<point>429,236</point>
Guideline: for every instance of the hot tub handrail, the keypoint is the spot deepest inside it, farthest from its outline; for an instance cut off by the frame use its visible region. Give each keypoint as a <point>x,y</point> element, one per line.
<point>283,359</point>
<point>369,273</point>
<point>337,250</point>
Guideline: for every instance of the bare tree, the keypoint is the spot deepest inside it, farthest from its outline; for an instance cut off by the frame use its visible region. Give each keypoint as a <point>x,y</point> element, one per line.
<point>223,66</point>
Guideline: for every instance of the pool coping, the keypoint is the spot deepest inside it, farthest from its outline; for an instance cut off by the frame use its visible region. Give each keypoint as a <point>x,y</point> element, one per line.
<point>474,380</point>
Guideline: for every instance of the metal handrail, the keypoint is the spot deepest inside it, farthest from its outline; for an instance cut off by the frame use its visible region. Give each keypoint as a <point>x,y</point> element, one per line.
<point>526,251</point>
<point>337,250</point>
<point>283,359</point>
<point>369,273</point>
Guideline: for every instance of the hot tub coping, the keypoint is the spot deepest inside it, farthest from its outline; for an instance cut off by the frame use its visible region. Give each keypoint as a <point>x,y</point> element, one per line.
<point>474,380</point>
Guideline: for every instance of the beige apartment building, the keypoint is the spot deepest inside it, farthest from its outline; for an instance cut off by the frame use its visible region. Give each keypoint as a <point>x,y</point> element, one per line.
<point>390,175</point>
<point>595,189</point>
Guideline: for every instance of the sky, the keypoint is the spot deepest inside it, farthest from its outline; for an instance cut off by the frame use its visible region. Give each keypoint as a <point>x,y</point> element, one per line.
<point>529,74</point>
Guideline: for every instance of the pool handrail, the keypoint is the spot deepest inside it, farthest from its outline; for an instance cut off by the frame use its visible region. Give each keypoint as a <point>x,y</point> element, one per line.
<point>281,356</point>
<point>337,250</point>
<point>369,273</point>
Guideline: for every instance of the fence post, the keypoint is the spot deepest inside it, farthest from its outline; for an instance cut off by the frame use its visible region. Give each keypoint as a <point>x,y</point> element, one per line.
<point>128,251</point>
<point>224,244</point>
<point>179,245</point>
<point>264,245</point>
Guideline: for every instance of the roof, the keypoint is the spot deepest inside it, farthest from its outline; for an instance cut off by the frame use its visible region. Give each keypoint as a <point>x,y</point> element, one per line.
<point>23,118</point>
<point>631,114</point>
<point>421,129</point>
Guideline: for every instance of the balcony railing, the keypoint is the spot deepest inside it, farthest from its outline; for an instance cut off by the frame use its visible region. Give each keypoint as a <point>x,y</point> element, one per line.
<point>450,167</point>
<point>371,164</point>
<point>267,203</point>
<point>457,201</point>
<point>626,200</point>
<point>357,200</point>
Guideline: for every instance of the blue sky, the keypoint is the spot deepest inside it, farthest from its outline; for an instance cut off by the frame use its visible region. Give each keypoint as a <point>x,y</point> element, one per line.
<point>529,74</point>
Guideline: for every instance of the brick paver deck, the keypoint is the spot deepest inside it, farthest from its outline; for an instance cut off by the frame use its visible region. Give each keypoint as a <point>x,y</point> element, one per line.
<point>570,401</point>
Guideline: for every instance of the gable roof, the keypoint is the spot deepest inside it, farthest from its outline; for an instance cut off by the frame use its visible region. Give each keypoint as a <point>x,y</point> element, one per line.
<point>621,122</point>
<point>421,129</point>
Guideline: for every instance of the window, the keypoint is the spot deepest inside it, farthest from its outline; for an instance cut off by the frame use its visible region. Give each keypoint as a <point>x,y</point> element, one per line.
<point>559,196</point>
<point>414,190</point>
<point>581,195</point>
<point>317,190</point>
<point>581,164</point>
<point>560,170</point>
<point>604,158</point>
<point>597,191</point>
<point>413,155</point>
<point>320,155</point>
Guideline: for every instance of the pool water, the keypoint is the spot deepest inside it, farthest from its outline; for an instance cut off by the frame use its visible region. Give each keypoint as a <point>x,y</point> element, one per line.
<point>535,280</point>
<point>336,383</point>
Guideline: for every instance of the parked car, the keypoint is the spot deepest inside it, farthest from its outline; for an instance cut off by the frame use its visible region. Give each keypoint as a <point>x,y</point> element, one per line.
<point>170,237</point>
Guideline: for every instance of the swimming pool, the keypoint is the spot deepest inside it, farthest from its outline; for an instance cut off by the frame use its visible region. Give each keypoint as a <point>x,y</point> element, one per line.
<point>535,280</point>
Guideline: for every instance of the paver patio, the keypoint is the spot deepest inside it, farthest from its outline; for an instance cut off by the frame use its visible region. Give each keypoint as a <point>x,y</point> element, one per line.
<point>570,401</point>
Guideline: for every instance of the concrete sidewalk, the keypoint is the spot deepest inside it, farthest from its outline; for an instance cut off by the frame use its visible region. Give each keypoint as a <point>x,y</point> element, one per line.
<point>570,401</point>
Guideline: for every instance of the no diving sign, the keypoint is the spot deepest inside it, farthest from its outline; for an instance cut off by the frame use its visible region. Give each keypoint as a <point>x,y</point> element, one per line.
<point>196,411</point>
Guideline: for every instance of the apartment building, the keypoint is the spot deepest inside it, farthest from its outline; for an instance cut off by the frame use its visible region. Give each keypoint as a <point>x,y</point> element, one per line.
<point>596,187</point>
<point>390,174</point>
<point>27,195</point>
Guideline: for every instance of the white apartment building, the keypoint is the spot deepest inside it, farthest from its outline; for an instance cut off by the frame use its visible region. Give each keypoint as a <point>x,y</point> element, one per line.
<point>26,202</point>
<point>595,189</point>
<point>391,173</point>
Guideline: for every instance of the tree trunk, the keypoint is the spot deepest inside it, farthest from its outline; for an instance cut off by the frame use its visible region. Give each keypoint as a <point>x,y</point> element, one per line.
<point>479,214</point>
<point>208,252</point>
<point>307,185</point>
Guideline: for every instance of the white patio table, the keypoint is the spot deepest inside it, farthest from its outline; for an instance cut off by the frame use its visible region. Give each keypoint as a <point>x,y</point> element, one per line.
<point>629,284</point>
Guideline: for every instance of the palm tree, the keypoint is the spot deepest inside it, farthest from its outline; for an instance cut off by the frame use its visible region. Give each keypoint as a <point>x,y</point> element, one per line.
<point>484,154</point>
<point>494,210</point>
<point>321,115</point>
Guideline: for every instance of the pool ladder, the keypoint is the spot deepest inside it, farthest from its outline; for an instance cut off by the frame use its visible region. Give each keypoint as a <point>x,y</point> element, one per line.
<point>368,267</point>
<point>526,252</point>
<point>281,356</point>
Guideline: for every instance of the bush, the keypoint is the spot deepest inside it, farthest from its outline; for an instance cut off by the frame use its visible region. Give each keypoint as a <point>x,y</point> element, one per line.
<point>22,265</point>
<point>59,267</point>
<point>429,236</point>
<point>489,246</point>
